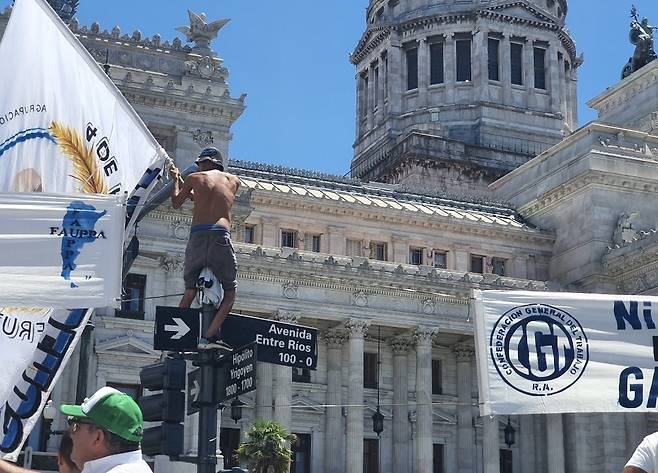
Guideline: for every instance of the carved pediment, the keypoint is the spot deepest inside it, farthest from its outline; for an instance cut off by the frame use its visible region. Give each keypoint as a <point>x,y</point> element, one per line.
<point>305,404</point>
<point>442,417</point>
<point>127,346</point>
<point>520,9</point>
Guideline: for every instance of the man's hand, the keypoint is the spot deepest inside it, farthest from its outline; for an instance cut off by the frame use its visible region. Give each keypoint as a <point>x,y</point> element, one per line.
<point>174,173</point>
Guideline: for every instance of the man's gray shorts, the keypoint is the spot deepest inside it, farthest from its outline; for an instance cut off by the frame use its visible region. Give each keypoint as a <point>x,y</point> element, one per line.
<point>210,246</point>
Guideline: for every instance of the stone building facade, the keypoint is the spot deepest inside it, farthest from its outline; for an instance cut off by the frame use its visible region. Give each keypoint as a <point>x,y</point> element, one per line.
<point>385,261</point>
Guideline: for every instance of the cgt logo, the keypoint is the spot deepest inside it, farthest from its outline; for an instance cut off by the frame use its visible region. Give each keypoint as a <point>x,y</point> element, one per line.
<point>538,349</point>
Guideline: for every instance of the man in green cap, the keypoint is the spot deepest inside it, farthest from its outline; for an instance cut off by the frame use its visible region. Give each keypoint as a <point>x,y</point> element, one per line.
<point>106,430</point>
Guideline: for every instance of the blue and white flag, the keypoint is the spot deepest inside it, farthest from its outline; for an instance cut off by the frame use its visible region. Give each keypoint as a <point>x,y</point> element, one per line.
<point>64,129</point>
<point>60,251</point>
<point>64,126</point>
<point>36,345</point>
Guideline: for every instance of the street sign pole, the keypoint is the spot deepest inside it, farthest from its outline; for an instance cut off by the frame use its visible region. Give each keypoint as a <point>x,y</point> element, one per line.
<point>207,446</point>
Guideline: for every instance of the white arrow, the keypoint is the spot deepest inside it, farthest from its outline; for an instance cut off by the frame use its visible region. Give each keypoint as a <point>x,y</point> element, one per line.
<point>180,328</point>
<point>194,392</point>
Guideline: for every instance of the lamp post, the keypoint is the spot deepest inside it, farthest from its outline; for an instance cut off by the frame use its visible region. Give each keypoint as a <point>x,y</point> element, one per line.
<point>49,412</point>
<point>236,409</point>
<point>378,417</point>
<point>509,433</point>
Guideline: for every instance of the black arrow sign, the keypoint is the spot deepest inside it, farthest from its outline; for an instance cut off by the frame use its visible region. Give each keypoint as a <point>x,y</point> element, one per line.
<point>278,342</point>
<point>193,389</point>
<point>176,329</point>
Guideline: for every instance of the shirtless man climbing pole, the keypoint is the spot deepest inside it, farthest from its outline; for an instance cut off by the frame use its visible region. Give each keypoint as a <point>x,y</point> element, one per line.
<point>213,192</point>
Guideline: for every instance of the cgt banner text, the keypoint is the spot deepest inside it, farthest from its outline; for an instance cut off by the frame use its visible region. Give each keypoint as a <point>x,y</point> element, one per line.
<point>541,352</point>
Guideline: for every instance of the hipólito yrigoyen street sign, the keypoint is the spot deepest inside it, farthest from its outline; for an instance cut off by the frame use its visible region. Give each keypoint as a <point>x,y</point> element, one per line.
<point>236,373</point>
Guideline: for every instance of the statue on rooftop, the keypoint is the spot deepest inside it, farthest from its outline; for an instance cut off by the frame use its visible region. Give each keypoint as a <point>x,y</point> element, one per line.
<point>66,9</point>
<point>641,35</point>
<point>200,31</point>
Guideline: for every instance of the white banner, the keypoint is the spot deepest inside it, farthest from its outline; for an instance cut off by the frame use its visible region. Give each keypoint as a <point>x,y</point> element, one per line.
<point>540,352</point>
<point>64,129</point>
<point>60,251</point>
<point>64,126</point>
<point>38,342</point>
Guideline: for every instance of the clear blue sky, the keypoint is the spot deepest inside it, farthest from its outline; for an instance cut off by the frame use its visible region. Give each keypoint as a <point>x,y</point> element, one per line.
<point>291,58</point>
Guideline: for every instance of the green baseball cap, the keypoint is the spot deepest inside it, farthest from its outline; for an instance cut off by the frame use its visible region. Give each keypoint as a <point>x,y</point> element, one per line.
<point>111,410</point>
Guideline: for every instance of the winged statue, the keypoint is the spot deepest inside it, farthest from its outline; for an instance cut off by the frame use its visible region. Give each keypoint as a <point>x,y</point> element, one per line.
<point>200,31</point>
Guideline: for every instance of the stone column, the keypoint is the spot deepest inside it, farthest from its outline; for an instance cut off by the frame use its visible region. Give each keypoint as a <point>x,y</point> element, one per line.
<point>490,444</point>
<point>423,72</point>
<point>336,240</point>
<point>423,338</point>
<point>370,112</point>
<point>529,73</point>
<point>573,88</point>
<point>506,69</point>
<point>264,398</point>
<point>401,432</point>
<point>555,443</point>
<point>400,247</point>
<point>526,438</point>
<point>283,379</point>
<point>614,441</point>
<point>334,439</point>
<point>553,77</point>
<point>636,429</point>
<point>481,63</point>
<point>395,86</point>
<point>563,91</point>
<point>356,330</point>
<point>465,437</point>
<point>449,72</point>
<point>270,231</point>
<point>357,105</point>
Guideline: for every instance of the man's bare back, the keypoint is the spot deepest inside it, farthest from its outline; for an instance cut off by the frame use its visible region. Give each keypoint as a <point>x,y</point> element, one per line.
<point>213,193</point>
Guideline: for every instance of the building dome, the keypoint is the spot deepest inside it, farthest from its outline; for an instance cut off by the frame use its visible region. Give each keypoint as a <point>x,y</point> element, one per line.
<point>379,10</point>
<point>454,94</point>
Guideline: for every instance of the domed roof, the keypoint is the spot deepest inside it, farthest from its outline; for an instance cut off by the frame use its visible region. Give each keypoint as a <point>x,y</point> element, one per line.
<point>413,8</point>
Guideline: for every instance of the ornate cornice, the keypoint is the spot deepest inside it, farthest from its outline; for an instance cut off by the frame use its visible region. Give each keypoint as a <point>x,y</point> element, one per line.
<point>342,273</point>
<point>578,184</point>
<point>224,111</point>
<point>402,217</point>
<point>372,38</point>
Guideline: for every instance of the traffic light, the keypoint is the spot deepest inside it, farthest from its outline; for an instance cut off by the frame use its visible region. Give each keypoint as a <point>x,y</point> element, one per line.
<point>167,407</point>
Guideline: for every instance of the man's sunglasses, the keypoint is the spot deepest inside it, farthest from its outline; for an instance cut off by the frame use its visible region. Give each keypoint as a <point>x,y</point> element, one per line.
<point>76,422</point>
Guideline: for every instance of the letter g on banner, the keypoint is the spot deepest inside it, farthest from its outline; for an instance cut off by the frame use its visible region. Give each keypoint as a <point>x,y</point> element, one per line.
<point>538,349</point>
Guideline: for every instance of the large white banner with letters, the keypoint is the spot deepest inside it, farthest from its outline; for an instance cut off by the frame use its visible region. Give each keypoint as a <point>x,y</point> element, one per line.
<point>64,126</point>
<point>541,352</point>
<point>60,251</point>
<point>64,129</point>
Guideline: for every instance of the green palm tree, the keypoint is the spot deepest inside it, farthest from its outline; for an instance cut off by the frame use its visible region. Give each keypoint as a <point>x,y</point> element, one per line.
<point>267,449</point>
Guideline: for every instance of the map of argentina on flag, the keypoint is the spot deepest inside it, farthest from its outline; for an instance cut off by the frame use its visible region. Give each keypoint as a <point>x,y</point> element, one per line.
<point>64,126</point>
<point>60,251</point>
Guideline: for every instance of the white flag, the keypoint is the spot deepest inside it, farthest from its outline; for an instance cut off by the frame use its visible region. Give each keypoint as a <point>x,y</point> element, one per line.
<point>64,126</point>
<point>60,251</point>
<point>543,353</point>
<point>64,129</point>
